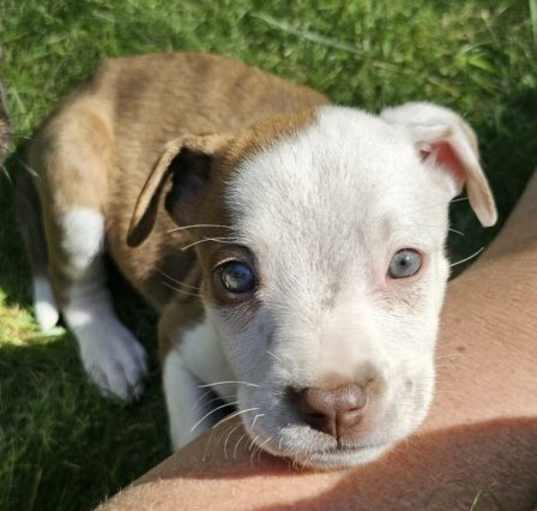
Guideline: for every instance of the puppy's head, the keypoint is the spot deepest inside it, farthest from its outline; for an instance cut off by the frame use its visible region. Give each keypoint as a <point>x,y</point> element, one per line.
<point>326,284</point>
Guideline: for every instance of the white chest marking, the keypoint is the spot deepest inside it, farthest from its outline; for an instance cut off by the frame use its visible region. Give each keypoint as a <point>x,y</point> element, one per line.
<point>189,370</point>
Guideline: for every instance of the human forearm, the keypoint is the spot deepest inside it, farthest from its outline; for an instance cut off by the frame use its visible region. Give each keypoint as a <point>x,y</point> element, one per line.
<point>480,440</point>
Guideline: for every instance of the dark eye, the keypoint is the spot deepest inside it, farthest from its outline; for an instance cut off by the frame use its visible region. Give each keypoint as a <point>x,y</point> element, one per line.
<point>237,277</point>
<point>405,263</point>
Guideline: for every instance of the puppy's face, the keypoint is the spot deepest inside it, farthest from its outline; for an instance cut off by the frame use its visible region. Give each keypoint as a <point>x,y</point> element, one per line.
<point>327,286</point>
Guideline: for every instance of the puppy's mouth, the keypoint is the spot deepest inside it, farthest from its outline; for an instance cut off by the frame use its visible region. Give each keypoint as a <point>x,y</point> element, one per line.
<point>327,458</point>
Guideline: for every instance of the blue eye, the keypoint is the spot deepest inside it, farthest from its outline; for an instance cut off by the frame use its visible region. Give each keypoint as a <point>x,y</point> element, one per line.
<point>237,277</point>
<point>405,263</point>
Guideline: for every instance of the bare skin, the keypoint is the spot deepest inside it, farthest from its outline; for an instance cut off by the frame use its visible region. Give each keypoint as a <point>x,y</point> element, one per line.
<point>478,447</point>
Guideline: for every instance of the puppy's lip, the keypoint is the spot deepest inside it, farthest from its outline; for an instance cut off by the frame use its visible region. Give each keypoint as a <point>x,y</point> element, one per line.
<point>333,458</point>
<point>344,456</point>
<point>349,449</point>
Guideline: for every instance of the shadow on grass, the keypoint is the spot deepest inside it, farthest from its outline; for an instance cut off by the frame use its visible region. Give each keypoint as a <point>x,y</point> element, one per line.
<point>63,446</point>
<point>14,272</point>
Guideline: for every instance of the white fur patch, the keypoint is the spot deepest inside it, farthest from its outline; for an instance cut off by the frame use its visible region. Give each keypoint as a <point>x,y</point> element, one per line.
<point>188,371</point>
<point>201,351</point>
<point>114,360</point>
<point>184,401</point>
<point>45,308</point>
<point>83,238</point>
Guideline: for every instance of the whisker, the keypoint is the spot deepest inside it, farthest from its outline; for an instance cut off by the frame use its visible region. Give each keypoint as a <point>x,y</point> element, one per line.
<point>456,231</point>
<point>252,443</point>
<point>227,439</point>
<point>262,444</point>
<point>207,446</point>
<point>228,382</point>
<point>198,226</point>
<point>179,290</point>
<point>201,398</point>
<point>200,404</point>
<point>458,199</point>
<point>259,415</point>
<point>214,432</point>
<point>204,240</point>
<point>475,254</point>
<point>220,434</point>
<point>254,455</point>
<point>178,282</point>
<point>214,410</point>
<point>235,414</point>
<point>236,448</point>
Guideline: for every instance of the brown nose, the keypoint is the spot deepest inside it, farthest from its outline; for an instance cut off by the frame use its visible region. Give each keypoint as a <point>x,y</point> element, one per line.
<point>333,411</point>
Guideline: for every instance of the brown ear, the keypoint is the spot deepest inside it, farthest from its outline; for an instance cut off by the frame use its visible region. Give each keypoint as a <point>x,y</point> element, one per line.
<point>442,137</point>
<point>187,161</point>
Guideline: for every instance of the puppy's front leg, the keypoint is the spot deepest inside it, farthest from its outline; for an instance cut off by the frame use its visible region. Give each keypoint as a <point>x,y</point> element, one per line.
<point>192,359</point>
<point>186,401</point>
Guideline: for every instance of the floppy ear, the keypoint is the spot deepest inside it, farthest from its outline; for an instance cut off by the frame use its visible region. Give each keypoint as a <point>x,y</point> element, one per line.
<point>442,137</point>
<point>187,162</point>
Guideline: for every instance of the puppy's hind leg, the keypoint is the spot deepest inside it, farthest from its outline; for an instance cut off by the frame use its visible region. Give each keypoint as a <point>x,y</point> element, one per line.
<point>31,228</point>
<point>72,161</point>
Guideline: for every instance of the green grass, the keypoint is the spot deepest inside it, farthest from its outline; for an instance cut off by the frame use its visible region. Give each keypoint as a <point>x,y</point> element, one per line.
<point>63,447</point>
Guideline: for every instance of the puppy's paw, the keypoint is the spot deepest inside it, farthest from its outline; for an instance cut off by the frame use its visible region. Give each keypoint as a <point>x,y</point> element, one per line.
<point>46,315</point>
<point>45,309</point>
<point>116,362</point>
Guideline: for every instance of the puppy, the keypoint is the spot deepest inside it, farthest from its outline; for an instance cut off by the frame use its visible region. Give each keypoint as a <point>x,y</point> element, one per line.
<point>294,249</point>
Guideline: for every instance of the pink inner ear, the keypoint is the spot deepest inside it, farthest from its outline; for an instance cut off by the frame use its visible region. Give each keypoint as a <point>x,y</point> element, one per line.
<point>447,157</point>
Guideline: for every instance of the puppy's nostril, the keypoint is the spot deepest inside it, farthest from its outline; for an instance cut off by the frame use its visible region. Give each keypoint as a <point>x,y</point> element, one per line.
<point>332,411</point>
